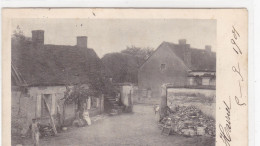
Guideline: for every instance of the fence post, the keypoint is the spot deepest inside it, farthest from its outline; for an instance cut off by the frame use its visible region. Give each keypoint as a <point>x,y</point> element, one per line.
<point>163,100</point>
<point>102,104</point>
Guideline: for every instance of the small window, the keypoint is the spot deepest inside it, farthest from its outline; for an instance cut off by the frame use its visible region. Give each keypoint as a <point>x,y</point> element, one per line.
<point>163,67</point>
<point>198,80</point>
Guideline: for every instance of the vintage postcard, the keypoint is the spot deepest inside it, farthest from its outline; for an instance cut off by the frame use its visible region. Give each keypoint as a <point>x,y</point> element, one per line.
<point>155,77</point>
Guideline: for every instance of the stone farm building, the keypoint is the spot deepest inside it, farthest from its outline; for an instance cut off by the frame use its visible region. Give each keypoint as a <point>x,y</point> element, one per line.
<point>180,65</point>
<point>44,71</point>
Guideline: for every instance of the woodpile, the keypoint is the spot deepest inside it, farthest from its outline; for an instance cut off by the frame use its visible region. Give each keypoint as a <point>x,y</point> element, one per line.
<point>187,121</point>
<point>46,131</point>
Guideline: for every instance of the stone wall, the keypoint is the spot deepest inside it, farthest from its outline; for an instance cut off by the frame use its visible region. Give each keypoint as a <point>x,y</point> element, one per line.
<point>203,99</point>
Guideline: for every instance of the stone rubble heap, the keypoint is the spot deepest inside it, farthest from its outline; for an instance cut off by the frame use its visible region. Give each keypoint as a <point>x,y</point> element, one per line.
<point>188,121</point>
<point>46,131</point>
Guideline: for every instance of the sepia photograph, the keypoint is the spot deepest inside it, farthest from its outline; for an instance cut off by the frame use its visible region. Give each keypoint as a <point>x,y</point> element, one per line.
<point>116,77</point>
<point>113,82</point>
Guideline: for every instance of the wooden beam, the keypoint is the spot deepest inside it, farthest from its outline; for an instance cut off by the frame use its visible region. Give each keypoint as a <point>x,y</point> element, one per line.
<point>18,75</point>
<point>52,120</point>
<point>163,104</point>
<point>38,105</point>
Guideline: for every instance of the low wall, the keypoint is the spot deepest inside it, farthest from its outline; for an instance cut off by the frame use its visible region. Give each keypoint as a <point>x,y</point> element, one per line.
<point>148,101</point>
<point>191,92</point>
<point>203,99</point>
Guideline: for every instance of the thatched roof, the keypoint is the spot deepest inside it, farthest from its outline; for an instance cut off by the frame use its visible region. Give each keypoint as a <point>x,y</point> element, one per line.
<point>200,59</point>
<point>53,64</point>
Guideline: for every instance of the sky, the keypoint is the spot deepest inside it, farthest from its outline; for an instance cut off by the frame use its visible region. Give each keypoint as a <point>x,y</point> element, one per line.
<point>113,35</point>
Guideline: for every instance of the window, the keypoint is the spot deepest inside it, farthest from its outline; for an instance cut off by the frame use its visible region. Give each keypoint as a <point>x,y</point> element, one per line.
<point>205,81</point>
<point>213,81</point>
<point>198,80</point>
<point>191,81</point>
<point>163,67</point>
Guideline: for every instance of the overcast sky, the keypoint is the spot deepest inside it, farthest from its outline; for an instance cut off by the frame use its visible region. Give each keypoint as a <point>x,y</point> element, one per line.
<point>114,35</point>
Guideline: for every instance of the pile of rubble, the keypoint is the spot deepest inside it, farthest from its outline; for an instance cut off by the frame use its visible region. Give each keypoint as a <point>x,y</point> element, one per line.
<point>188,121</point>
<point>46,131</point>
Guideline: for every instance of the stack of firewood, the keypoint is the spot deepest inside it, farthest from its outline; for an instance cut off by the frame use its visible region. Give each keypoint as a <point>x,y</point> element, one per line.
<point>189,121</point>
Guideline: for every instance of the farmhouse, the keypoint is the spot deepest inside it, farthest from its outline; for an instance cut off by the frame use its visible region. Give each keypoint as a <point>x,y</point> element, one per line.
<point>180,65</point>
<point>41,75</point>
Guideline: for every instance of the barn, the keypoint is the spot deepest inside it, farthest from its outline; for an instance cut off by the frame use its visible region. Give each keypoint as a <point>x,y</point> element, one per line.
<point>180,65</point>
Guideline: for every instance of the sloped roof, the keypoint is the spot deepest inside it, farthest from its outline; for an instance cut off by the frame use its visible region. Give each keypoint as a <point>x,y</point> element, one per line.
<point>54,64</point>
<point>200,59</point>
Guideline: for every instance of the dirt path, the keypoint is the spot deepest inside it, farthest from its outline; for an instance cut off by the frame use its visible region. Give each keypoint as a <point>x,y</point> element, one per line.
<point>136,129</point>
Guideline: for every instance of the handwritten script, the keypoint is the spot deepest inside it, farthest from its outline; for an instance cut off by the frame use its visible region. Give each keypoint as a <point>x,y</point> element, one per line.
<point>236,68</point>
<point>225,130</point>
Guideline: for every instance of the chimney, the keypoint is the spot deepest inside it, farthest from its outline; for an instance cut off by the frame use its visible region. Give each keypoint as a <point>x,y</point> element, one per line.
<point>185,52</point>
<point>182,41</point>
<point>82,41</point>
<point>38,38</point>
<point>187,55</point>
<point>208,48</point>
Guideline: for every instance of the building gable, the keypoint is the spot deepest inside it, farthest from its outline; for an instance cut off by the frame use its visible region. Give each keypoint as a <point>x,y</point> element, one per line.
<point>194,59</point>
<point>162,66</point>
<point>165,51</point>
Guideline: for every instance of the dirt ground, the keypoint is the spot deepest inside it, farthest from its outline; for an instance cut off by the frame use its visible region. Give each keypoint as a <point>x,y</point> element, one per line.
<point>136,129</point>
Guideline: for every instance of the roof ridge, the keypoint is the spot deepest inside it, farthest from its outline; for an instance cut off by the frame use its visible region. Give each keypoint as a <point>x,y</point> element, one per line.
<point>199,59</point>
<point>43,66</point>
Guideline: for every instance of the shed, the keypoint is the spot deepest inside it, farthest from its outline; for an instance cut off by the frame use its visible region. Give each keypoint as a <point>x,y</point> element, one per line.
<point>43,72</point>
